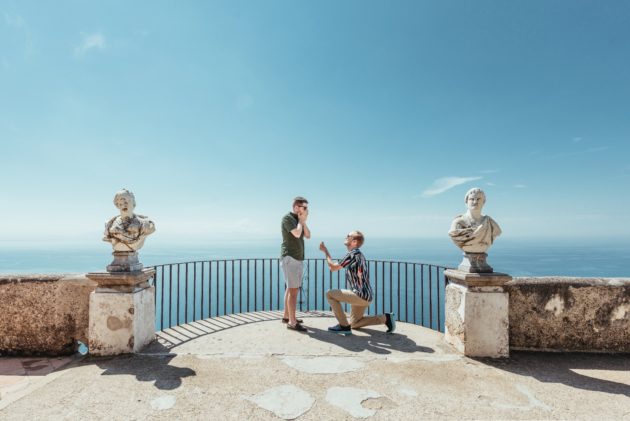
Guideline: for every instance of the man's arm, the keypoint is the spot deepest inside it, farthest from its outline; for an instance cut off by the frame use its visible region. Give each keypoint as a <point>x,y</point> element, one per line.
<point>288,223</point>
<point>307,232</point>
<point>334,266</point>
<point>301,227</point>
<point>297,231</point>
<point>302,221</point>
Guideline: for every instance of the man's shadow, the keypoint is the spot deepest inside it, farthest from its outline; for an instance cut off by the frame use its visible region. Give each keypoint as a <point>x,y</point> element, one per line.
<point>550,367</point>
<point>377,341</point>
<point>146,368</point>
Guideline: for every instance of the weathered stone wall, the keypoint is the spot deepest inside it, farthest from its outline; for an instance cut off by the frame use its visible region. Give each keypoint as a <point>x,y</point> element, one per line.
<point>570,314</point>
<point>43,314</point>
<point>48,314</point>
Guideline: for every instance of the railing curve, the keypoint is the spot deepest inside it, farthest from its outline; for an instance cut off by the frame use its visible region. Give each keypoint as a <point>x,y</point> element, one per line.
<point>196,290</point>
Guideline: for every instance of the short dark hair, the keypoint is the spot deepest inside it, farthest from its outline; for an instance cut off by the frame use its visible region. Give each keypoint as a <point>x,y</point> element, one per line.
<point>299,201</point>
<point>358,235</point>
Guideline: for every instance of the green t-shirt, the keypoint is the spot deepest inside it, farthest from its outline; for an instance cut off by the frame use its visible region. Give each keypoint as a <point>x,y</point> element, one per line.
<point>291,246</point>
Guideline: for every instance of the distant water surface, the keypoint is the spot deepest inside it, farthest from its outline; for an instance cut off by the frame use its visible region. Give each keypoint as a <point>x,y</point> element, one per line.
<point>583,258</point>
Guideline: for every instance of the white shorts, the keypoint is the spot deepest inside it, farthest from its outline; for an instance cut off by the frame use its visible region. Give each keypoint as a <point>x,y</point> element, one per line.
<point>293,270</point>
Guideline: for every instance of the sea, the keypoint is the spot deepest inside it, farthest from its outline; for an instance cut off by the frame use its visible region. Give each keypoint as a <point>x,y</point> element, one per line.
<point>185,293</point>
<point>517,257</point>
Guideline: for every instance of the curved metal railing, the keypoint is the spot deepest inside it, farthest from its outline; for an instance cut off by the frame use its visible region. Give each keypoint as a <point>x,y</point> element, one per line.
<point>196,290</point>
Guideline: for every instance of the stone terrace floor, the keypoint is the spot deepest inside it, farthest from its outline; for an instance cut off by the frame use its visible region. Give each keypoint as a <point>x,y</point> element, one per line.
<point>250,367</point>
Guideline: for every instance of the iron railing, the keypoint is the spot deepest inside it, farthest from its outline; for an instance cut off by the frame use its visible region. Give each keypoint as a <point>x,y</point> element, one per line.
<point>190,291</point>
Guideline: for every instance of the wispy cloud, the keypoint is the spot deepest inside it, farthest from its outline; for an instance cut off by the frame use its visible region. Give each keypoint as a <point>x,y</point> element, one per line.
<point>520,186</point>
<point>441,185</point>
<point>142,33</point>
<point>577,146</point>
<point>587,217</point>
<point>95,41</point>
<point>434,217</point>
<point>489,184</point>
<point>15,21</point>
<point>18,23</point>
<point>246,225</point>
<point>587,151</point>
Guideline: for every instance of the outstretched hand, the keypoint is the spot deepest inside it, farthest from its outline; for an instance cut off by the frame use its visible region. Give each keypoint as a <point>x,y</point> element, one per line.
<point>323,248</point>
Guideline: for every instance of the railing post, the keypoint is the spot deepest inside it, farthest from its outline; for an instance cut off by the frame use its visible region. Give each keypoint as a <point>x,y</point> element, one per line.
<point>387,294</point>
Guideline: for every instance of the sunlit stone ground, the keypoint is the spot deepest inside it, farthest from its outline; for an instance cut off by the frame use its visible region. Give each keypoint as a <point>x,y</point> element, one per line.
<point>250,366</point>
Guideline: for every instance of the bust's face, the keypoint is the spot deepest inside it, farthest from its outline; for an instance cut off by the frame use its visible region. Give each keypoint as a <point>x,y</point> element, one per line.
<point>475,201</point>
<point>125,204</point>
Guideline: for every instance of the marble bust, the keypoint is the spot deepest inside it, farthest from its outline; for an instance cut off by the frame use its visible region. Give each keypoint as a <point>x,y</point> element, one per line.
<point>127,231</point>
<point>473,232</point>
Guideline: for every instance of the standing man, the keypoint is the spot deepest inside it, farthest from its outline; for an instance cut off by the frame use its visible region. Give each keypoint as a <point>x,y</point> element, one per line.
<point>294,230</point>
<point>360,293</point>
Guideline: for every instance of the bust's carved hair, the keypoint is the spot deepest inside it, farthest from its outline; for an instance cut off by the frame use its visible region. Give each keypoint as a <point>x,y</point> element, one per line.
<point>125,193</point>
<point>473,191</point>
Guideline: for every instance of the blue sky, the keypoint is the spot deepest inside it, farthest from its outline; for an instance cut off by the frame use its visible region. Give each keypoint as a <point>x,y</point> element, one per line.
<point>216,114</point>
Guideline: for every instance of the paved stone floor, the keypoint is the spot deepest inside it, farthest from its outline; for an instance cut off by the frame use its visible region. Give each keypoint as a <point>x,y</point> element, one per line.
<point>19,376</point>
<point>250,367</point>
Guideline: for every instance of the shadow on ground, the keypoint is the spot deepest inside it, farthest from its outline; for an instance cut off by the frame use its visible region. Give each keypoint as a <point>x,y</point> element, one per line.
<point>577,370</point>
<point>377,341</point>
<point>146,368</point>
<point>181,334</point>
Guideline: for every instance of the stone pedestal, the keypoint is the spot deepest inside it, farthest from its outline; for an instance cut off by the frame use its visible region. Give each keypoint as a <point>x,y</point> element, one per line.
<point>122,312</point>
<point>475,263</point>
<point>125,261</point>
<point>477,321</point>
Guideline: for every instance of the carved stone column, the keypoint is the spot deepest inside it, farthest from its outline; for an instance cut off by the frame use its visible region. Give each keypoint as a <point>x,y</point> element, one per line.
<point>477,321</point>
<point>122,312</point>
<point>122,308</point>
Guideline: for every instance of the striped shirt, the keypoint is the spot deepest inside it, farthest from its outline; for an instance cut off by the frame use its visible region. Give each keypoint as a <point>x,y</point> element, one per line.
<point>357,274</point>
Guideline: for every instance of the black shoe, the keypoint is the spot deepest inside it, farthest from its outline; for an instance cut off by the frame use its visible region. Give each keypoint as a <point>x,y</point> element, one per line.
<point>287,320</point>
<point>342,330</point>
<point>297,327</point>
<point>390,322</point>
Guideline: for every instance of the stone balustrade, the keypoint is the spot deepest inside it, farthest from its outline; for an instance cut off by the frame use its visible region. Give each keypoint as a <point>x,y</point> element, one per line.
<point>569,314</point>
<point>43,314</point>
<point>48,314</point>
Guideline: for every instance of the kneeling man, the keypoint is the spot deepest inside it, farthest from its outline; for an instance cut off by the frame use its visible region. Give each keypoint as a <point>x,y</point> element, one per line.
<point>359,295</point>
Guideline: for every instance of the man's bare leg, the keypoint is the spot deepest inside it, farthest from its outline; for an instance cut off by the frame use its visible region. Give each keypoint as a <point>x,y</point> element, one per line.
<point>286,304</point>
<point>291,304</point>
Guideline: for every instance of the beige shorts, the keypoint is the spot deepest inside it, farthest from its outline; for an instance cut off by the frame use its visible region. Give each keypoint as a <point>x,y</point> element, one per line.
<point>293,270</point>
